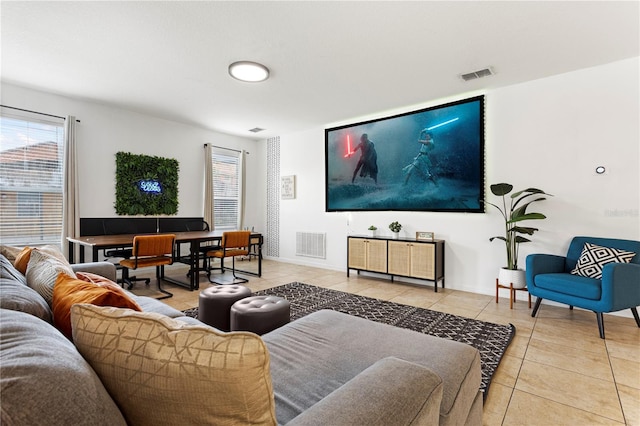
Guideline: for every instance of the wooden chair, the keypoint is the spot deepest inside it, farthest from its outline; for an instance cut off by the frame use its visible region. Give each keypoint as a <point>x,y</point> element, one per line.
<point>234,243</point>
<point>150,250</point>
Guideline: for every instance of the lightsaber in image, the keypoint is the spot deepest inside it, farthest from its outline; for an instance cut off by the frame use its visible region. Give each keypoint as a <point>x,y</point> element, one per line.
<point>442,124</point>
<point>349,151</point>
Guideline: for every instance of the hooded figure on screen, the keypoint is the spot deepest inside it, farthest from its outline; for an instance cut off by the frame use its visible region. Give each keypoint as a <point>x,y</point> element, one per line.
<point>422,162</point>
<point>368,159</point>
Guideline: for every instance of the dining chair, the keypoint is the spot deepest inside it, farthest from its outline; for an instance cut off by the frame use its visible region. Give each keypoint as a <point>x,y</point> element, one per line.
<point>150,250</point>
<point>233,244</point>
<point>115,227</point>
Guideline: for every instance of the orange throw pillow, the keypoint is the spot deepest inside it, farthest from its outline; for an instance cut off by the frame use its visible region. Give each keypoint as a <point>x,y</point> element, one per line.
<point>22,260</point>
<point>68,291</point>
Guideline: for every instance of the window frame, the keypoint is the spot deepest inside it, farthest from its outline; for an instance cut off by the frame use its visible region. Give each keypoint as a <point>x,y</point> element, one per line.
<point>31,179</point>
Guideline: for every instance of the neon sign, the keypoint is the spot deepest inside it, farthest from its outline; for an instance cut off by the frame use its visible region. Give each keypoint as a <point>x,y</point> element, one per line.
<point>150,186</point>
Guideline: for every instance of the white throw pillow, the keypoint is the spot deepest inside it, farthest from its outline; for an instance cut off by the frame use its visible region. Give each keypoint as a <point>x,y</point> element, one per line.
<point>43,270</point>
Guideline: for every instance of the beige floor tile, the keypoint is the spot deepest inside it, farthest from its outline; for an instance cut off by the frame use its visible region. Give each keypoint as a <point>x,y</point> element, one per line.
<point>626,372</point>
<point>496,404</point>
<point>589,363</point>
<point>465,301</point>
<point>596,396</point>
<point>530,410</point>
<point>630,399</point>
<point>353,286</point>
<point>520,310</point>
<point>518,346</point>
<point>577,337</point>
<point>507,372</point>
<point>382,293</point>
<point>413,300</point>
<point>524,327</point>
<point>623,341</point>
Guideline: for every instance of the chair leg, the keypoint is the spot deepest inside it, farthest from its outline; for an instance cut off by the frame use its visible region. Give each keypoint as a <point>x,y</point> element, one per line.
<point>159,273</point>
<point>536,306</point>
<point>634,311</point>
<point>125,279</point>
<point>233,271</point>
<point>600,318</point>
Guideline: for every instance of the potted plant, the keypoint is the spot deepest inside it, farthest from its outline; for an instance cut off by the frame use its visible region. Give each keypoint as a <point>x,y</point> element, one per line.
<point>513,214</point>
<point>372,230</point>
<point>395,228</point>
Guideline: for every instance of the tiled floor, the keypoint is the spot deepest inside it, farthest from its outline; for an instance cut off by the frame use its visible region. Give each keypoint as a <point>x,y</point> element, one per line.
<point>557,371</point>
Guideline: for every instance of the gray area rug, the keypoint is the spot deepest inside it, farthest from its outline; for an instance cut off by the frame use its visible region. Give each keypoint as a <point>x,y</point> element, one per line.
<point>490,339</point>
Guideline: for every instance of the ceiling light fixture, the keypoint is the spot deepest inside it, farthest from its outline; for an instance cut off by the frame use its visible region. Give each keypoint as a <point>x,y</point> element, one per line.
<point>248,71</point>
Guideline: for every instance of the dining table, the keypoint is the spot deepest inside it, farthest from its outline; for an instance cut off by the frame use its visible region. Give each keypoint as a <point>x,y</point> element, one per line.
<point>194,238</point>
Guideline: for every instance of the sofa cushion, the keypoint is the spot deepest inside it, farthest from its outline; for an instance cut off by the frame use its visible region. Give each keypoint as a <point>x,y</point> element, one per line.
<point>42,272</point>
<point>102,292</point>
<point>572,285</point>
<point>17,296</point>
<point>45,381</point>
<point>316,354</point>
<point>162,371</point>
<point>594,257</point>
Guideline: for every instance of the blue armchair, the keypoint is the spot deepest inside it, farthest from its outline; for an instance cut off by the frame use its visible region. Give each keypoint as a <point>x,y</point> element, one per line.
<point>549,277</point>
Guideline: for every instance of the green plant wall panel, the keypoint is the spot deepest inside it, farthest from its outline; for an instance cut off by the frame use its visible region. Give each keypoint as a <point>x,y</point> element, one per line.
<point>146,185</point>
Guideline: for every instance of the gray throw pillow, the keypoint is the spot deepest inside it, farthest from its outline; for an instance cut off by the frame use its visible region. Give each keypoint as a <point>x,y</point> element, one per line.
<point>15,295</point>
<point>45,380</point>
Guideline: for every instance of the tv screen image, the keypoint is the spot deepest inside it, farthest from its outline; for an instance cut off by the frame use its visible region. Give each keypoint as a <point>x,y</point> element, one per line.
<point>426,160</point>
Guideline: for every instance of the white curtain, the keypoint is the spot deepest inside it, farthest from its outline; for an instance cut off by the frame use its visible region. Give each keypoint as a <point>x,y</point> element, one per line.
<point>70,201</point>
<point>208,187</point>
<point>241,185</point>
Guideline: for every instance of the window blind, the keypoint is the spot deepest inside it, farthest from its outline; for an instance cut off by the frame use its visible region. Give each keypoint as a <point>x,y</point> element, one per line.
<point>226,189</point>
<point>31,156</point>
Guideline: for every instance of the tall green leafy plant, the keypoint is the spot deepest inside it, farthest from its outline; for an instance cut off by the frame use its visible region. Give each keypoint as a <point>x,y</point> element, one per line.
<point>514,214</point>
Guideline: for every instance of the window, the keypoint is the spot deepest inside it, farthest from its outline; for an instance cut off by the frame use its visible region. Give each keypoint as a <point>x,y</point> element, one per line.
<point>226,188</point>
<point>31,152</point>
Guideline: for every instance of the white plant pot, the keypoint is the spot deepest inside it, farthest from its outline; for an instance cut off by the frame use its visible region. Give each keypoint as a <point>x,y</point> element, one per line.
<point>517,277</point>
<point>396,235</point>
<point>372,233</point>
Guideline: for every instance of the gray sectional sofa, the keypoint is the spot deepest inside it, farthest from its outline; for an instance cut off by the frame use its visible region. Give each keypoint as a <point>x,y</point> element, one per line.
<point>327,368</point>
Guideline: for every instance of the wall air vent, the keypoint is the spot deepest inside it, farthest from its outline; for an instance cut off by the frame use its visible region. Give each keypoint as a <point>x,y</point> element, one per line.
<point>477,74</point>
<point>310,244</point>
<point>256,129</point>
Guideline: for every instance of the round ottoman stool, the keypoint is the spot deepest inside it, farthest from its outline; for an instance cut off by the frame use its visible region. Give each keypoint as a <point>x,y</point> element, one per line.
<point>214,304</point>
<point>260,314</point>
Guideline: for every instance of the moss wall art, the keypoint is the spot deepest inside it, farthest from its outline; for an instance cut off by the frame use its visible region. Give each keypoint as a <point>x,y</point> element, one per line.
<point>146,185</point>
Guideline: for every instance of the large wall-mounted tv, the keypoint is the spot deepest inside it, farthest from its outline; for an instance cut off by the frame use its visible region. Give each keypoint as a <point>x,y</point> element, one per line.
<point>426,160</point>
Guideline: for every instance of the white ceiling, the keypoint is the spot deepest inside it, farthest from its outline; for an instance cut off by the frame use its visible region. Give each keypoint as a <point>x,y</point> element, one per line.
<point>329,61</point>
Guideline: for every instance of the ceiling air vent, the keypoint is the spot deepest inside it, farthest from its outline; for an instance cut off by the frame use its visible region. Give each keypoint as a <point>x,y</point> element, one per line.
<point>256,130</point>
<point>477,74</point>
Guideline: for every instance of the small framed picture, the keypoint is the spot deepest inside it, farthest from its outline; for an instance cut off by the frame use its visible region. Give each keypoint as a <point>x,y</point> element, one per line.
<point>288,187</point>
<point>424,236</point>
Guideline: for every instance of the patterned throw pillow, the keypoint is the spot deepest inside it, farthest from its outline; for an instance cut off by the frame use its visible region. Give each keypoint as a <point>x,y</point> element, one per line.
<point>164,371</point>
<point>42,272</point>
<point>22,258</point>
<point>594,257</point>
<point>68,291</point>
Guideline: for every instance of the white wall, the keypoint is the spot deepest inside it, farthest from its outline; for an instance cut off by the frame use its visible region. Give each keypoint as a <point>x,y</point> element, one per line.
<point>105,130</point>
<point>549,133</point>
